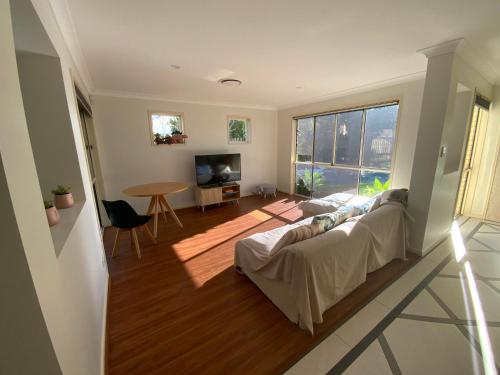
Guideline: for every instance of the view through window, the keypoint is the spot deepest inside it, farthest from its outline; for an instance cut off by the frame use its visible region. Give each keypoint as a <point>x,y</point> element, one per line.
<point>345,152</point>
<point>164,126</point>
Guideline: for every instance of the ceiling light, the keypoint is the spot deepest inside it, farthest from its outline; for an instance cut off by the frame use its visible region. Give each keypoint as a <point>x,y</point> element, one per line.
<point>173,66</point>
<point>298,87</point>
<point>230,82</point>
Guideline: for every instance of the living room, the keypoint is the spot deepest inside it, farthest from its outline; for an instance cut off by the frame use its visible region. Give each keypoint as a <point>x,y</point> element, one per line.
<point>231,188</point>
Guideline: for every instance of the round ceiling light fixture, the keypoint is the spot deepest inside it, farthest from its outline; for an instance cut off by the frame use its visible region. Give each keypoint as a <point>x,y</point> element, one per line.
<point>230,82</point>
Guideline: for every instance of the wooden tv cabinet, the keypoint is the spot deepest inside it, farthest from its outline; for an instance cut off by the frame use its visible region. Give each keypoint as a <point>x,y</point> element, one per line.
<point>216,195</point>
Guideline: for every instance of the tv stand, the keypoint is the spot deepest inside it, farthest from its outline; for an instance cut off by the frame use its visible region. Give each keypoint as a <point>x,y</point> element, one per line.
<point>216,195</point>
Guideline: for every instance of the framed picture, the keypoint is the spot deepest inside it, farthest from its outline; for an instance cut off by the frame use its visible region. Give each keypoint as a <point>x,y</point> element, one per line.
<point>238,129</point>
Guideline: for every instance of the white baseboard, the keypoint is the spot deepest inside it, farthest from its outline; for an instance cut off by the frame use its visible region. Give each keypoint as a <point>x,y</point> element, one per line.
<point>104,332</point>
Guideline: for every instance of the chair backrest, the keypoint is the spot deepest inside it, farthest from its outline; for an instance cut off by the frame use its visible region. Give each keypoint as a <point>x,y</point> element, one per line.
<point>120,213</point>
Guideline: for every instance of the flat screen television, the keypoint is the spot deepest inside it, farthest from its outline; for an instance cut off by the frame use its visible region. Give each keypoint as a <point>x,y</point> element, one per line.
<point>216,170</point>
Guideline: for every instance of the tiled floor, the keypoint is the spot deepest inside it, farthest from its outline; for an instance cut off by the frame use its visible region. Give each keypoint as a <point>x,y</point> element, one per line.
<point>441,317</point>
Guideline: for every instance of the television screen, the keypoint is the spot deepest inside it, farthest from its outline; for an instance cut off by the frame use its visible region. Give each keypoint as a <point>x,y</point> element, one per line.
<point>217,169</point>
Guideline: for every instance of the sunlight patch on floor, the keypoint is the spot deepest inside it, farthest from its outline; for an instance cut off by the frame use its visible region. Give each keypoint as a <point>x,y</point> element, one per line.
<point>458,242</point>
<point>259,215</point>
<point>482,328</point>
<point>218,235</point>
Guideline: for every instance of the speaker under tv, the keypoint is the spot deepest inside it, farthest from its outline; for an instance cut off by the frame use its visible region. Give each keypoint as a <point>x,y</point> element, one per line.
<point>217,169</point>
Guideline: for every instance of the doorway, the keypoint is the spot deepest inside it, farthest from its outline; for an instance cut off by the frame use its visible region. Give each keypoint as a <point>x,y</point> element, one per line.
<point>473,188</point>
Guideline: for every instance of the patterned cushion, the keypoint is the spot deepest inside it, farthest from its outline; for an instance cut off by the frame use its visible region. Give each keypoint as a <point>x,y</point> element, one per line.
<point>395,195</point>
<point>300,233</point>
<point>332,219</point>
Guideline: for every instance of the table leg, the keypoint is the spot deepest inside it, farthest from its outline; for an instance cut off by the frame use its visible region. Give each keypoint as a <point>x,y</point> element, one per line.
<point>155,218</point>
<point>171,211</point>
<point>162,208</point>
<point>151,205</point>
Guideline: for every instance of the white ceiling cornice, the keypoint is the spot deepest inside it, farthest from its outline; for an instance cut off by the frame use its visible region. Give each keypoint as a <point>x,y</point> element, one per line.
<point>62,15</point>
<point>444,48</point>
<point>355,90</point>
<point>469,53</point>
<point>141,96</point>
<point>480,61</point>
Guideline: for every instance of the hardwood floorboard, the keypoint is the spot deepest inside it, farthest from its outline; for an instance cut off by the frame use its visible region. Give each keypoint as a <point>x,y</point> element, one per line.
<point>183,309</point>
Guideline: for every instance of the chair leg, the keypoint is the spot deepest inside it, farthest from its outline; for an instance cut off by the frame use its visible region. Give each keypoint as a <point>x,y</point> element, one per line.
<point>137,248</point>
<point>114,252</point>
<point>150,235</point>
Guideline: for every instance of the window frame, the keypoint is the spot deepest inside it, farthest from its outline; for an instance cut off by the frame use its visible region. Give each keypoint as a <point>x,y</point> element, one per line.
<point>164,113</point>
<point>360,168</point>
<point>248,122</point>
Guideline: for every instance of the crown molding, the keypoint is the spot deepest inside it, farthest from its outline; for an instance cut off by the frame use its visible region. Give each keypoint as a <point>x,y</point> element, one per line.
<point>444,48</point>
<point>469,53</point>
<point>478,60</point>
<point>358,89</point>
<point>141,96</point>
<point>66,26</point>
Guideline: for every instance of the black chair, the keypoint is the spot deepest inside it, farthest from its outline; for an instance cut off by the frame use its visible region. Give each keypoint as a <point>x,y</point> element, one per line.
<point>123,216</point>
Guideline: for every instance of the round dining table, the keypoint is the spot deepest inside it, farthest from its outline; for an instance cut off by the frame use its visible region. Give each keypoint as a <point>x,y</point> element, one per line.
<point>159,192</point>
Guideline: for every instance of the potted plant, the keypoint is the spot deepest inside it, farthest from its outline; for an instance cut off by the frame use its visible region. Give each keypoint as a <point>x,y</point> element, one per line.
<point>51,212</point>
<point>178,137</point>
<point>63,197</point>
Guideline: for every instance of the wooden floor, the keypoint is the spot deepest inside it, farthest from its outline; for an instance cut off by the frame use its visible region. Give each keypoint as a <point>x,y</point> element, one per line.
<point>182,309</point>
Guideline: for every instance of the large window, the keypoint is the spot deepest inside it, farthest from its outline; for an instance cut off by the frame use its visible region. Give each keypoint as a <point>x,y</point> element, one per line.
<point>347,152</point>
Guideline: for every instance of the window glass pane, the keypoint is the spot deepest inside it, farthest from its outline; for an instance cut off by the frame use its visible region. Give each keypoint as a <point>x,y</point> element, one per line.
<point>334,180</point>
<point>303,179</point>
<point>305,139</point>
<point>372,183</point>
<point>166,128</point>
<point>348,138</point>
<point>166,124</point>
<point>380,134</point>
<point>323,139</point>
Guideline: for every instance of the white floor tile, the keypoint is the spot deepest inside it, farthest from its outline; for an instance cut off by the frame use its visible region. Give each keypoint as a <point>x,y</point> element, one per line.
<point>485,228</point>
<point>363,322</point>
<point>494,339</point>
<point>440,252</point>
<point>460,302</point>
<point>371,362</point>
<point>483,263</point>
<point>474,245</point>
<point>425,305</point>
<point>322,358</point>
<point>431,348</point>
<point>496,283</point>
<point>489,239</point>
<point>395,293</point>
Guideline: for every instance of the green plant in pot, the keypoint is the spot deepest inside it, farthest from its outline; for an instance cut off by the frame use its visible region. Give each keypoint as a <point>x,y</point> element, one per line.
<point>51,212</point>
<point>63,197</point>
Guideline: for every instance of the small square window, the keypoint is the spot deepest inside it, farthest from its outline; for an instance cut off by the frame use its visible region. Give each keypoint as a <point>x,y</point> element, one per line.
<point>166,128</point>
<point>238,129</point>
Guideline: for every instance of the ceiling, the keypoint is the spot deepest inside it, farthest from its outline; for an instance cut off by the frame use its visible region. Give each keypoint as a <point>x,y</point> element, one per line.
<point>284,51</point>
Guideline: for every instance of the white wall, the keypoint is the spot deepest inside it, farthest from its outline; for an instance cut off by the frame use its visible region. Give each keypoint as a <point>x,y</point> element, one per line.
<point>128,158</point>
<point>410,96</point>
<point>433,186</point>
<point>43,92</point>
<point>71,289</point>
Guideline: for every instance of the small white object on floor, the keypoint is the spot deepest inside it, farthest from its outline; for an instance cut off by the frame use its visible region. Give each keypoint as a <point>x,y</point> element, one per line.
<point>266,189</point>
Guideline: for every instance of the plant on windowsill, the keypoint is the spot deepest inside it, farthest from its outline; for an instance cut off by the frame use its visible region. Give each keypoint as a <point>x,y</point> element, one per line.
<point>175,138</point>
<point>63,197</point>
<point>376,187</point>
<point>51,212</point>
